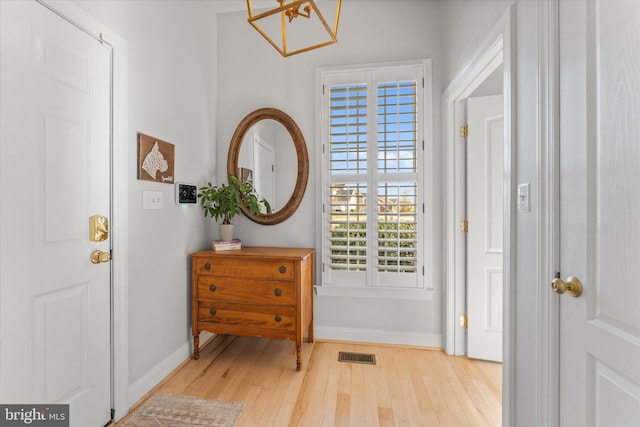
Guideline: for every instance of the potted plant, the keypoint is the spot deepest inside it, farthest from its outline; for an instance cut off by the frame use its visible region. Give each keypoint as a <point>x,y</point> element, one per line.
<point>225,201</point>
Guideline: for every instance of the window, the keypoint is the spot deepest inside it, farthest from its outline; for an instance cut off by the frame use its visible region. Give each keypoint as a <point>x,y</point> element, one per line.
<point>373,176</point>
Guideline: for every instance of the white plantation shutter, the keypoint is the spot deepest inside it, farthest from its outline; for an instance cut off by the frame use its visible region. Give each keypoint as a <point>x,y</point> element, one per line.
<point>372,170</point>
<point>348,224</point>
<point>397,199</point>
<point>348,164</point>
<point>348,129</point>
<point>397,225</point>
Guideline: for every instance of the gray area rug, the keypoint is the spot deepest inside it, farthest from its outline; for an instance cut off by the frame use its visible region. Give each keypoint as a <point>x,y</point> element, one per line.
<point>171,410</point>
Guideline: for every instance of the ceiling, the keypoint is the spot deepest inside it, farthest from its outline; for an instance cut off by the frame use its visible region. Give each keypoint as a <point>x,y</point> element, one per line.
<point>226,6</point>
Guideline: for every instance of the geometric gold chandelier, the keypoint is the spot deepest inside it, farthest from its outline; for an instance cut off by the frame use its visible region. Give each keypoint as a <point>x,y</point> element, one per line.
<point>297,26</point>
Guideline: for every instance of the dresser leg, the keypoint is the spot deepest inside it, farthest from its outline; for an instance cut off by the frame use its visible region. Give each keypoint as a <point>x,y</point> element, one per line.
<point>196,347</point>
<point>310,332</point>
<point>298,357</point>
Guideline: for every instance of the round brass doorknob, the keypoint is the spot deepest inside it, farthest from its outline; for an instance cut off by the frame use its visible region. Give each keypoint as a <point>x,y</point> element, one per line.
<point>98,256</point>
<point>572,286</point>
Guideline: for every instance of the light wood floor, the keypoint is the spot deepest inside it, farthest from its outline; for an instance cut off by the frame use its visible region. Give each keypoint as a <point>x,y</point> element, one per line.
<point>406,387</point>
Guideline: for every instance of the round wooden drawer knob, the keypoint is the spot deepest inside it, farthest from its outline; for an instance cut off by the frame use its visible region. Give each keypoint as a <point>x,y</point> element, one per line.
<point>278,292</point>
<point>278,318</point>
<point>212,288</point>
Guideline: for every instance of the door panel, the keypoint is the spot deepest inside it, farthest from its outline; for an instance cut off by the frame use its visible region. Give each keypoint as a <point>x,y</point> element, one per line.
<point>60,338</point>
<point>54,175</point>
<point>600,207</point>
<point>485,148</point>
<point>65,177</point>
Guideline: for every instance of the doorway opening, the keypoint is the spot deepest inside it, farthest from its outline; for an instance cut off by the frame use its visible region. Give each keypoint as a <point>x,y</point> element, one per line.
<point>483,224</point>
<point>492,64</point>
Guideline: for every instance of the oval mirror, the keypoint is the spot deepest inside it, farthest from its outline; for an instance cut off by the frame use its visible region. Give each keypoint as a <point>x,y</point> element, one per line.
<point>269,150</point>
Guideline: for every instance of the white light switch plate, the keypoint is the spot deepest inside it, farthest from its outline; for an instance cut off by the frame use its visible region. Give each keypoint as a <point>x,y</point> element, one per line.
<point>523,197</point>
<point>152,200</point>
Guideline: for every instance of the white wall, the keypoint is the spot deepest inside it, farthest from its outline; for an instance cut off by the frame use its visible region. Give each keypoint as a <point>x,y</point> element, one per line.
<point>253,75</point>
<point>465,23</point>
<point>527,280</point>
<point>171,72</point>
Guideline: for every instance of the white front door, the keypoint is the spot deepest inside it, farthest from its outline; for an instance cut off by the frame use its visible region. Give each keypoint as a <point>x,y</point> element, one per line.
<point>485,160</point>
<point>599,370</point>
<point>54,175</point>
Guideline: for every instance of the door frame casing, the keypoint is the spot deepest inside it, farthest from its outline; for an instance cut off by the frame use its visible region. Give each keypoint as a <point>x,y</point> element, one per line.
<point>548,232</point>
<point>498,48</point>
<point>119,195</point>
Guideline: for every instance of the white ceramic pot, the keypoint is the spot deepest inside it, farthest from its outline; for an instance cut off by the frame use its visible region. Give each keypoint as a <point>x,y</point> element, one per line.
<point>226,231</point>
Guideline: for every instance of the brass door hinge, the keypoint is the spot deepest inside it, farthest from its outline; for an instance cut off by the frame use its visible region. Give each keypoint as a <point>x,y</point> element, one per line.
<point>464,226</point>
<point>464,321</point>
<point>464,131</point>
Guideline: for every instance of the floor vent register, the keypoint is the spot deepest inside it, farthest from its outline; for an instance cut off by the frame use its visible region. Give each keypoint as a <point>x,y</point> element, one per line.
<point>368,359</point>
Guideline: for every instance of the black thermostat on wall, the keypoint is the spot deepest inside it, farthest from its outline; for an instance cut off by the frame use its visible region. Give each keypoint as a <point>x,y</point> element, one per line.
<point>186,193</point>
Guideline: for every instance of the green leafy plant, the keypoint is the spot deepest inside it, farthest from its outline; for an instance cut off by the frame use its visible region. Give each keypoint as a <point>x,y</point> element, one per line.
<point>226,201</point>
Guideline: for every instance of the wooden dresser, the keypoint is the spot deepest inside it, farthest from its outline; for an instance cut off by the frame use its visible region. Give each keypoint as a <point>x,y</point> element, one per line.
<point>254,291</point>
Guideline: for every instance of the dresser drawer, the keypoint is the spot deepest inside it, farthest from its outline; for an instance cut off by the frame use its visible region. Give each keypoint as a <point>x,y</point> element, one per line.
<point>232,289</point>
<point>247,315</point>
<point>231,267</point>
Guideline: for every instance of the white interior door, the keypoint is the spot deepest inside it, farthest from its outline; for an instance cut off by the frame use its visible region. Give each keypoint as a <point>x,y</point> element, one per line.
<point>264,160</point>
<point>54,175</point>
<point>485,160</point>
<point>599,371</point>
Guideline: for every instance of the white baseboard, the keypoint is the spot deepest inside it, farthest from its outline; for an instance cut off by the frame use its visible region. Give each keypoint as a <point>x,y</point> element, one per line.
<point>377,336</point>
<point>156,374</point>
